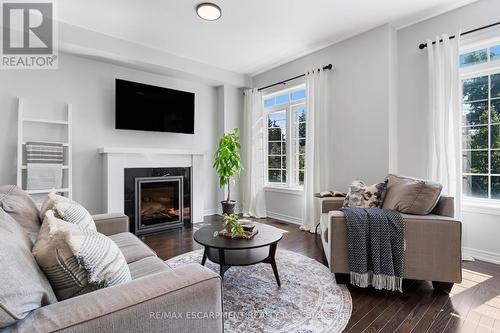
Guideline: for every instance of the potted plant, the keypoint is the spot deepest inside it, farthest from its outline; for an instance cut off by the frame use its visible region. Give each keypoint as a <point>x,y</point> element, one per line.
<point>233,225</point>
<point>227,163</point>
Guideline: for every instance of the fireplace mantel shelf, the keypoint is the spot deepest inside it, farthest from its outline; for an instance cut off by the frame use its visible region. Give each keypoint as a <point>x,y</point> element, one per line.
<point>148,151</point>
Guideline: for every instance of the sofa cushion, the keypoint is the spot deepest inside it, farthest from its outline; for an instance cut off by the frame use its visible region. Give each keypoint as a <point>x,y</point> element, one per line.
<point>411,195</point>
<point>133,248</point>
<point>78,260</point>
<point>23,286</point>
<point>365,196</point>
<point>18,204</point>
<point>147,266</point>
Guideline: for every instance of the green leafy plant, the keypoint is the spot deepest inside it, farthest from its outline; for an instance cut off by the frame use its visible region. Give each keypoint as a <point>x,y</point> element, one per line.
<point>231,223</point>
<point>227,160</point>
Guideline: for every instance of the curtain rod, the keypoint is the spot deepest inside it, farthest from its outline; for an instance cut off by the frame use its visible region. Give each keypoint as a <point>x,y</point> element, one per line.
<point>327,67</point>
<point>424,45</point>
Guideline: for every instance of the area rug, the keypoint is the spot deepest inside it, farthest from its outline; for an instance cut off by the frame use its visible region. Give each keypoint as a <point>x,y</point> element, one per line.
<point>309,299</point>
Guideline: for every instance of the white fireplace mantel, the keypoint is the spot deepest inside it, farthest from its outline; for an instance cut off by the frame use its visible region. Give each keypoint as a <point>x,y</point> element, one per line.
<point>117,159</point>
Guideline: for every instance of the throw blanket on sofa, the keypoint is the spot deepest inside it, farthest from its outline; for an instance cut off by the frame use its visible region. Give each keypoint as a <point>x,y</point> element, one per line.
<point>376,245</point>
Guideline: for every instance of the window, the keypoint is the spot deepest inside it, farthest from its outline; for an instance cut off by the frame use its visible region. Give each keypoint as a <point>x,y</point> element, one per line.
<point>480,79</point>
<point>286,136</point>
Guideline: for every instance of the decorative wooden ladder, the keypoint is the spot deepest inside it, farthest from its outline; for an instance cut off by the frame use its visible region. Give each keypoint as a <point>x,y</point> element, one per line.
<point>67,189</point>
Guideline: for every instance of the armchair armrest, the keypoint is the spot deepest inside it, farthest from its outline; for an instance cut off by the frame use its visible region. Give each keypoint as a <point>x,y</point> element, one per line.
<point>110,224</point>
<point>179,300</point>
<point>331,203</point>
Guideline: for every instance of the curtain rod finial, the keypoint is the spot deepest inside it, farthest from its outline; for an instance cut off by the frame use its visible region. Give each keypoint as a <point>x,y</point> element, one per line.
<point>422,46</point>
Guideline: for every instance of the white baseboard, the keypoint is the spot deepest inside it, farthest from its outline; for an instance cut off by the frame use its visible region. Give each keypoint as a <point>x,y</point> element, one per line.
<point>284,217</point>
<point>212,211</point>
<point>218,211</point>
<point>487,256</point>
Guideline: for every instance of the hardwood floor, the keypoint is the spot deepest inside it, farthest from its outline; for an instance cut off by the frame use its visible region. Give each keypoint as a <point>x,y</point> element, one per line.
<point>472,306</point>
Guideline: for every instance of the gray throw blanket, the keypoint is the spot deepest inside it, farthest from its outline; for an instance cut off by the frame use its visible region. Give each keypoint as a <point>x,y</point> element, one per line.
<point>376,245</point>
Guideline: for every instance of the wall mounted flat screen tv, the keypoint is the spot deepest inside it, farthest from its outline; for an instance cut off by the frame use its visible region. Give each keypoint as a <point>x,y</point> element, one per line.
<point>148,108</point>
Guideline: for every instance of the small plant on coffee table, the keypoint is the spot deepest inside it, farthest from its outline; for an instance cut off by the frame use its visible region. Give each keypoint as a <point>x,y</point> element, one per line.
<point>232,225</point>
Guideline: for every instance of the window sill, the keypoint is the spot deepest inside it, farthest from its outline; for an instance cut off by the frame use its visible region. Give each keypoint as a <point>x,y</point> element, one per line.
<point>490,207</point>
<point>284,189</point>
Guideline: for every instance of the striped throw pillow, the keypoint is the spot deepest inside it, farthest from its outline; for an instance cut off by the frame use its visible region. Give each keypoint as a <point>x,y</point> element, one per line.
<point>77,260</point>
<point>67,210</point>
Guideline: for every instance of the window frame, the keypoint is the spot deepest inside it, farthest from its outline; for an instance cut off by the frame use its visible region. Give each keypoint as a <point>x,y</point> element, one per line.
<point>488,68</point>
<point>292,173</point>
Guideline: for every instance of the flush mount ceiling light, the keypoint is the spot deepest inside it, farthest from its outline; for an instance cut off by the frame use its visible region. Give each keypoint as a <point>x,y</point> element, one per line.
<point>208,11</point>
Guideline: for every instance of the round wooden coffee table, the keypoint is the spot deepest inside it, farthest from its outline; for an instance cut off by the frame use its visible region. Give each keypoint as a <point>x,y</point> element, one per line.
<point>227,251</point>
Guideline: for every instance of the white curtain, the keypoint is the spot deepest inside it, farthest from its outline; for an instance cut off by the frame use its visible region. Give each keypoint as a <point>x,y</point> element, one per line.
<point>444,151</point>
<point>317,143</point>
<point>253,175</point>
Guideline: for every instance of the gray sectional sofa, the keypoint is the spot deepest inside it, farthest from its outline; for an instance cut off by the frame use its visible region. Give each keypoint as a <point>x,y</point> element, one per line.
<point>145,304</point>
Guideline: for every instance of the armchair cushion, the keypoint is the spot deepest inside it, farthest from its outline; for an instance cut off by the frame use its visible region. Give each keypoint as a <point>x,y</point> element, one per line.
<point>411,195</point>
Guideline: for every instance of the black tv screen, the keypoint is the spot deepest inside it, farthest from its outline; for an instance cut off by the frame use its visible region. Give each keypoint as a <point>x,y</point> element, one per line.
<point>148,108</point>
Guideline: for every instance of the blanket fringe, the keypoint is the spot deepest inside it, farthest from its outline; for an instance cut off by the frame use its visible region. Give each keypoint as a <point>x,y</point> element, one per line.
<point>378,281</point>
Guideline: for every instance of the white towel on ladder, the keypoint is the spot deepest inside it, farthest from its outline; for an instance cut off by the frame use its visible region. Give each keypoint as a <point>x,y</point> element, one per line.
<point>44,176</point>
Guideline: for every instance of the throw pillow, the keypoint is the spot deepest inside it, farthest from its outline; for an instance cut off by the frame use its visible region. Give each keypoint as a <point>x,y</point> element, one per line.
<point>23,286</point>
<point>78,260</point>
<point>365,196</point>
<point>411,195</point>
<point>68,210</point>
<point>50,201</point>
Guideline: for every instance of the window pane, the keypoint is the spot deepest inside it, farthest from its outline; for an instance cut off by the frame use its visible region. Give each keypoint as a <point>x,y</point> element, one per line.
<point>300,113</point>
<point>495,161</point>
<point>277,116</point>
<point>475,89</point>
<point>274,162</point>
<point>495,187</point>
<point>475,137</point>
<point>473,58</point>
<point>282,99</point>
<point>475,161</point>
<point>302,146</point>
<point>298,95</point>
<point>495,111</point>
<point>495,85</point>
<point>269,102</point>
<point>283,176</point>
<point>475,186</point>
<point>302,159</point>
<point>274,148</point>
<point>302,130</point>
<point>495,52</point>
<point>475,113</point>
<point>275,176</point>
<point>495,136</point>
<point>301,177</point>
<point>274,134</point>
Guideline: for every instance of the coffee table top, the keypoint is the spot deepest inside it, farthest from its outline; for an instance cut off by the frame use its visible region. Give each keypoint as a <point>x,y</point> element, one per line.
<point>267,235</point>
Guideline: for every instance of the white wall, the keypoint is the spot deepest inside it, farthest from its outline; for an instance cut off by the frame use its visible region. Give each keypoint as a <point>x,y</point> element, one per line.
<point>359,102</point>
<point>480,230</point>
<point>230,116</point>
<point>89,86</point>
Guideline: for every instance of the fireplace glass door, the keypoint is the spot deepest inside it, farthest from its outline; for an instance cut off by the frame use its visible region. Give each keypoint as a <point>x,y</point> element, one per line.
<point>159,203</point>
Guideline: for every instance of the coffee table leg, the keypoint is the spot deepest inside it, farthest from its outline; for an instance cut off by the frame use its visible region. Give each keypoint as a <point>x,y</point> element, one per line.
<point>272,261</point>
<point>223,267</point>
<point>204,259</point>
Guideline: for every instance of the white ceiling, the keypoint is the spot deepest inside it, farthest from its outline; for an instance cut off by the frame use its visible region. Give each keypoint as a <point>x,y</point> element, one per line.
<point>252,35</point>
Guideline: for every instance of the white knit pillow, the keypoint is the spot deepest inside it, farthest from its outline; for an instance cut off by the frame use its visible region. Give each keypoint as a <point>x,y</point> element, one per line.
<point>67,210</point>
<point>77,260</point>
